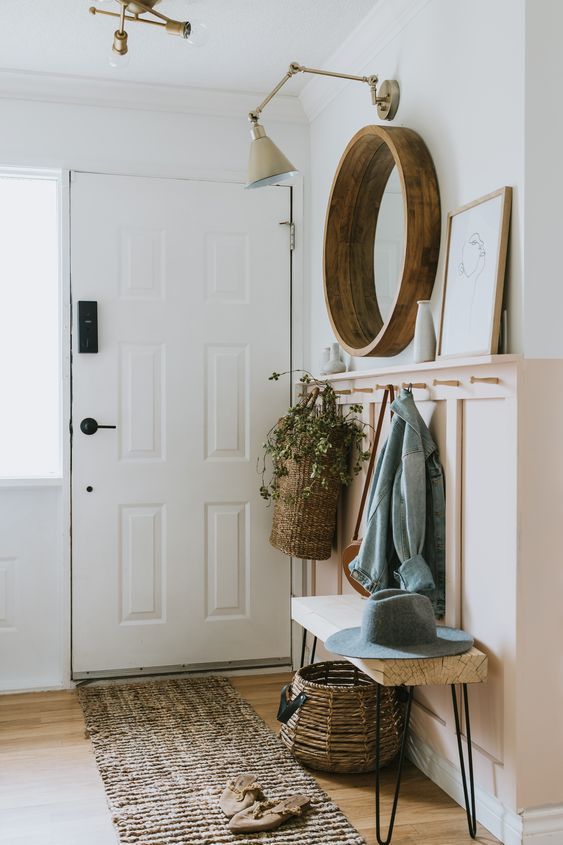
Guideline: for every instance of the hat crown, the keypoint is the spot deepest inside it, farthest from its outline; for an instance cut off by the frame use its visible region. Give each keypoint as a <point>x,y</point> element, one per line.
<point>398,618</point>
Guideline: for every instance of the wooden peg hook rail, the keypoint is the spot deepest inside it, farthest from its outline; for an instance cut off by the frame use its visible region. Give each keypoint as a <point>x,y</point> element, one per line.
<point>422,385</point>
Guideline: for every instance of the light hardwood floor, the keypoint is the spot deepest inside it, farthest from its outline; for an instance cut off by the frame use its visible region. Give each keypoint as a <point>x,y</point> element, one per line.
<point>51,792</point>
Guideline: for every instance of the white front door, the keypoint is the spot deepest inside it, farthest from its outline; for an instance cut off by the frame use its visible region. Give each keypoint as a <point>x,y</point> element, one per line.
<point>171,560</point>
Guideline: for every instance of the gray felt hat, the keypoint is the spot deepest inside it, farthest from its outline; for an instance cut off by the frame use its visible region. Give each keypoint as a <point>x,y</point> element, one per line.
<point>398,624</point>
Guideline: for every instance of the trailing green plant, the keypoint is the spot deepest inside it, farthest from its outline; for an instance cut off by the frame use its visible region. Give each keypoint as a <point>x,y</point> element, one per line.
<point>319,430</point>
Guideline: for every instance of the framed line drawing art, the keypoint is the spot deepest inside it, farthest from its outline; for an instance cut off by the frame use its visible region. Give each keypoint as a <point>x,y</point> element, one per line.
<point>476,249</point>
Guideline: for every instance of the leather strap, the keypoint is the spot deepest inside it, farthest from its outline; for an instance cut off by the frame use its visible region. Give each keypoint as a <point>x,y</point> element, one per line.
<point>286,711</point>
<point>388,393</point>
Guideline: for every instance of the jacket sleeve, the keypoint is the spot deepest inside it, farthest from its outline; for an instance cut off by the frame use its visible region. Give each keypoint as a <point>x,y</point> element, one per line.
<point>409,523</point>
<point>367,567</point>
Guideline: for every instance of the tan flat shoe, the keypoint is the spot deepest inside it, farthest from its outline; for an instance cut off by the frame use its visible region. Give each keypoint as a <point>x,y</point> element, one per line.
<point>241,792</point>
<point>267,815</point>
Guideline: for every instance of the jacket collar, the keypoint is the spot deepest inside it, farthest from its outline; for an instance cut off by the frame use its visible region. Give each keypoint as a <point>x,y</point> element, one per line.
<point>405,408</point>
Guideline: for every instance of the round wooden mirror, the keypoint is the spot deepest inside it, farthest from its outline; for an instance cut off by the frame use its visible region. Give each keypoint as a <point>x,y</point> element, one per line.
<point>358,192</point>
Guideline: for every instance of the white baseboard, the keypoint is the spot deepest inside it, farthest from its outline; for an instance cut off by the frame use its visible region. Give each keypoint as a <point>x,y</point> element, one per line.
<point>15,688</point>
<point>491,813</point>
<point>537,826</point>
<point>543,825</point>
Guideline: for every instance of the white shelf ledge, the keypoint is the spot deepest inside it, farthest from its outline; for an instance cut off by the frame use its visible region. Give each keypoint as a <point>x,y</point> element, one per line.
<point>440,364</point>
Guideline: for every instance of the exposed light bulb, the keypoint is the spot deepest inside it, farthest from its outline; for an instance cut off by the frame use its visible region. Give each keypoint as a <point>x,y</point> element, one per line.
<point>119,61</point>
<point>196,32</point>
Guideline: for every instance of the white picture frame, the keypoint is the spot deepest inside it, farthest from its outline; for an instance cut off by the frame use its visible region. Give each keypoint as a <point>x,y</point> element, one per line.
<point>476,252</point>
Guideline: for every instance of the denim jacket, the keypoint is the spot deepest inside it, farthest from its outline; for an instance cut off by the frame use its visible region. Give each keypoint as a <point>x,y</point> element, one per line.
<point>405,533</point>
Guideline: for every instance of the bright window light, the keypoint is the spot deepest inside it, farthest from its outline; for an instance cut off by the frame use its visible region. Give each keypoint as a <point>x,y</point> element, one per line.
<point>30,358</point>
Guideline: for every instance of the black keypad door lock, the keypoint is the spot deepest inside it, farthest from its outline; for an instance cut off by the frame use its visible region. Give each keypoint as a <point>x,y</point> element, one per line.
<point>90,426</point>
<point>87,326</point>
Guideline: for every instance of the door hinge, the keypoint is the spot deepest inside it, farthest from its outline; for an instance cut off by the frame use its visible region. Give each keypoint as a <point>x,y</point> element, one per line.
<point>291,225</point>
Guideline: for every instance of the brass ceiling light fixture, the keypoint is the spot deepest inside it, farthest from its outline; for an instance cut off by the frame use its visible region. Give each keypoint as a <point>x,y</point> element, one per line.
<point>267,164</point>
<point>193,31</point>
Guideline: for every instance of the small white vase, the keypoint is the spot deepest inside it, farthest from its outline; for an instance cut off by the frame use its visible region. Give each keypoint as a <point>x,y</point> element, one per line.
<point>335,364</point>
<point>325,358</point>
<point>424,334</point>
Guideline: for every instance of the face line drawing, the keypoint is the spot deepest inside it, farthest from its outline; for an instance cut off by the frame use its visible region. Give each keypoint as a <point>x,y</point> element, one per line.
<point>473,257</point>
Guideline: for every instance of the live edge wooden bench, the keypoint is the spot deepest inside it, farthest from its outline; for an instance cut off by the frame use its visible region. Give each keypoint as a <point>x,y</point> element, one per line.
<point>325,615</point>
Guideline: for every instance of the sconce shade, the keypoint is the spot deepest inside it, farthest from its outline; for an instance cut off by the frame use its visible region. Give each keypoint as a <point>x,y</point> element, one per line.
<point>267,165</point>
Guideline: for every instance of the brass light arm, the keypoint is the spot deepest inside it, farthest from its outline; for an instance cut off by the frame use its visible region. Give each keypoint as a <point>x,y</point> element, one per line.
<point>254,115</point>
<point>122,19</point>
<point>182,28</point>
<point>132,18</point>
<point>387,104</point>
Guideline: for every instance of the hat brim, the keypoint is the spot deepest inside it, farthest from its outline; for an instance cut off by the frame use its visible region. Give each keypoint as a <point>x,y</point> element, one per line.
<point>348,643</point>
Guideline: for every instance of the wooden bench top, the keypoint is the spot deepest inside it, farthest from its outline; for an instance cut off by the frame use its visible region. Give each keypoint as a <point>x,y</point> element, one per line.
<point>325,615</point>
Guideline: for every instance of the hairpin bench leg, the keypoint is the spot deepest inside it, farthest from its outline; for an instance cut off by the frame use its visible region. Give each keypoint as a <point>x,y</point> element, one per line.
<point>469,808</point>
<point>400,771</point>
<point>303,645</point>
<point>313,650</point>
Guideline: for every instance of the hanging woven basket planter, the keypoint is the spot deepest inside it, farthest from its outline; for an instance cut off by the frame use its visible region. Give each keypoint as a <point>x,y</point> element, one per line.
<point>303,526</point>
<point>315,449</point>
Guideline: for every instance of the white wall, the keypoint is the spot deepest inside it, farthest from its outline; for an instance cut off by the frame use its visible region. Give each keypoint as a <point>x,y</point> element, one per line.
<point>34,650</point>
<point>33,619</point>
<point>543,293</point>
<point>460,66</point>
<point>137,141</point>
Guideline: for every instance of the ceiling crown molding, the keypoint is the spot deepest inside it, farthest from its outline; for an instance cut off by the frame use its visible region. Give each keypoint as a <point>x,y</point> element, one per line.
<point>356,54</point>
<point>107,93</point>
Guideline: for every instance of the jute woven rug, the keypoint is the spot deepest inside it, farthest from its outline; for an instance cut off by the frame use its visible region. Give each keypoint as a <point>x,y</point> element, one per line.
<point>166,749</point>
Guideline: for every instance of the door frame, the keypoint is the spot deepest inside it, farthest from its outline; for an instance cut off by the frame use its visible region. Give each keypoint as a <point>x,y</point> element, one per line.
<point>297,258</point>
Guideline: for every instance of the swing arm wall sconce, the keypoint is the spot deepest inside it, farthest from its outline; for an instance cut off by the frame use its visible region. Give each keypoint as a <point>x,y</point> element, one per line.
<point>267,164</point>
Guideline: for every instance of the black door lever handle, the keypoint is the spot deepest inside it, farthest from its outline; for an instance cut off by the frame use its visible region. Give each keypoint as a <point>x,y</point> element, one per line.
<point>90,426</point>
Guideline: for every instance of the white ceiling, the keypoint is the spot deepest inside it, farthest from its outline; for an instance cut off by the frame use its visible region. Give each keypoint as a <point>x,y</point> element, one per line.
<point>251,42</point>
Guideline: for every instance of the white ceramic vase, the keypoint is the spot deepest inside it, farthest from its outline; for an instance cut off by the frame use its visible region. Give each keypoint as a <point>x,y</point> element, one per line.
<point>424,334</point>
<point>325,358</point>
<point>335,364</point>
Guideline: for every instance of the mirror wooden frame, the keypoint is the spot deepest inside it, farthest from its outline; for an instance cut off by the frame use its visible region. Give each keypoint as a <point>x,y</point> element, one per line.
<point>351,222</point>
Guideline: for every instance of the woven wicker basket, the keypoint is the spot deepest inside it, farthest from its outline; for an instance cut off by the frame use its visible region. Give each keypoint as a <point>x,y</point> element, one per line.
<point>334,730</point>
<point>304,526</point>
